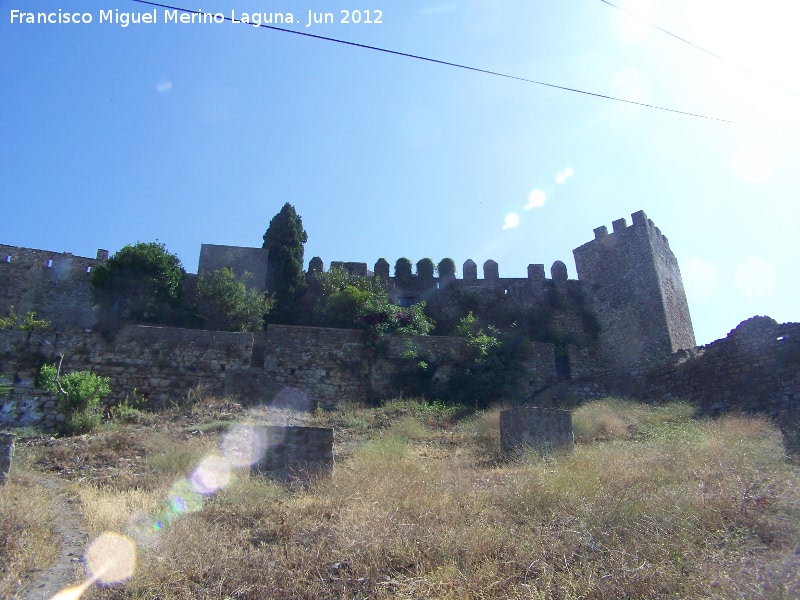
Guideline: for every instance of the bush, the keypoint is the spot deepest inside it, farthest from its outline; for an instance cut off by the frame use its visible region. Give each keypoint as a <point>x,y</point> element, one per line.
<point>142,282</point>
<point>490,368</point>
<point>225,302</point>
<point>349,301</point>
<point>79,392</point>
<point>130,410</point>
<point>28,321</point>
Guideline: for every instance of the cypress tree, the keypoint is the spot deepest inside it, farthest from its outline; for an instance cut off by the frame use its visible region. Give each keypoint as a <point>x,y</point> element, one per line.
<point>284,239</point>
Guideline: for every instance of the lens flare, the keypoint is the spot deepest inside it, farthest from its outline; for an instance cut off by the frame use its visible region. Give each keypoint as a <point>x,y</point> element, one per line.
<point>536,199</point>
<point>142,530</point>
<point>183,499</point>
<point>244,445</point>
<point>212,473</point>
<point>111,558</point>
<point>512,220</point>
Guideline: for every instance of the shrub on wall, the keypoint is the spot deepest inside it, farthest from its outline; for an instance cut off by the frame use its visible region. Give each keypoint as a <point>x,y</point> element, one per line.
<point>446,268</point>
<point>79,393</point>
<point>491,367</point>
<point>225,302</point>
<point>140,282</point>
<point>353,302</point>
<point>425,268</point>
<point>402,271</point>
<point>27,322</point>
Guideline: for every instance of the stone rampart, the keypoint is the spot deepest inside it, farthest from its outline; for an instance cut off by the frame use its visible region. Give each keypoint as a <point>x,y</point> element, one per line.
<point>301,367</point>
<point>55,285</point>
<point>160,363</point>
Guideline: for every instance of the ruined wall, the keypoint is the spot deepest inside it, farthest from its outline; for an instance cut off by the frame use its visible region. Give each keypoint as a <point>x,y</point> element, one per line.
<point>53,284</point>
<point>634,285</point>
<point>238,259</point>
<point>755,368</point>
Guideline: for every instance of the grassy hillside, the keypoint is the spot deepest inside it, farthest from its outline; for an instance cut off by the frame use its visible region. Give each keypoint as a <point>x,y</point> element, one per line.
<point>651,503</point>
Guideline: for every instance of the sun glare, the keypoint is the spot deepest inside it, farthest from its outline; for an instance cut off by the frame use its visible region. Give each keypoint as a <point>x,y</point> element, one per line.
<point>512,220</point>
<point>536,199</point>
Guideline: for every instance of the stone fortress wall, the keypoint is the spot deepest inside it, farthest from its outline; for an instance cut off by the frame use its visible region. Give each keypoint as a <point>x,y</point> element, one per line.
<point>54,284</point>
<point>302,367</point>
<point>629,279</point>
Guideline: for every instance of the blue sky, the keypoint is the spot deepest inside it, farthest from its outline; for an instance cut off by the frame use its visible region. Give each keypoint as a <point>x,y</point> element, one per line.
<point>195,134</point>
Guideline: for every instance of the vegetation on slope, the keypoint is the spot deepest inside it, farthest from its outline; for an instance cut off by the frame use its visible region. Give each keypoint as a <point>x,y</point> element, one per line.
<point>651,503</point>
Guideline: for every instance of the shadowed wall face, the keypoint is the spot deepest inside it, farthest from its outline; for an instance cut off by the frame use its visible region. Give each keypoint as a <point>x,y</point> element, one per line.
<point>296,452</point>
<point>238,259</point>
<point>55,285</point>
<point>532,427</point>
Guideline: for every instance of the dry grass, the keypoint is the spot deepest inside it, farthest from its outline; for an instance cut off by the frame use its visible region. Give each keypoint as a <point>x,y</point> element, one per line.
<point>650,504</point>
<point>28,540</point>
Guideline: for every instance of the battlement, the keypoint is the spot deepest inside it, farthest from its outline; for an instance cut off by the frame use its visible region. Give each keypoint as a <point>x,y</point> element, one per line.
<point>469,272</point>
<point>629,279</point>
<point>639,222</point>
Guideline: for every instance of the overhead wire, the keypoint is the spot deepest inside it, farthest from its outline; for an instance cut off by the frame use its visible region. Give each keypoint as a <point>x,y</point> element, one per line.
<point>460,66</point>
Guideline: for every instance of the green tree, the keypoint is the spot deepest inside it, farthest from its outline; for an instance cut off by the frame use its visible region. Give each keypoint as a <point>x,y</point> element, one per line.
<point>140,282</point>
<point>226,303</point>
<point>284,239</point>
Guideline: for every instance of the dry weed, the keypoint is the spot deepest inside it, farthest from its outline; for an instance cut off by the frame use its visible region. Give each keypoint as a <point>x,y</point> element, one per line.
<point>665,506</point>
<point>28,540</point>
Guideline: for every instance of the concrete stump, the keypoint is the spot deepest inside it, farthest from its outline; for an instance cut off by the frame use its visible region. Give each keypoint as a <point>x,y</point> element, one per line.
<point>537,428</point>
<point>296,453</point>
<point>6,452</point>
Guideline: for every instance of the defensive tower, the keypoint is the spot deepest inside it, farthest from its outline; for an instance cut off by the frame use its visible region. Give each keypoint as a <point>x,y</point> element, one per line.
<point>634,284</point>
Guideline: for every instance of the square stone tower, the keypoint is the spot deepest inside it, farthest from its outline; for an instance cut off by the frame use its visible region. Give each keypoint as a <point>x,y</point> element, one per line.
<point>634,285</point>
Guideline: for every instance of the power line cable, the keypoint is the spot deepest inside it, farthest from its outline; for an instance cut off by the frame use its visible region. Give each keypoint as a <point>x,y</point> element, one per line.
<point>460,66</point>
<point>700,48</point>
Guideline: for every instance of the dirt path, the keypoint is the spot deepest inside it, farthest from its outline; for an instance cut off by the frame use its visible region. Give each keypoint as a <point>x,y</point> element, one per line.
<point>66,570</point>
